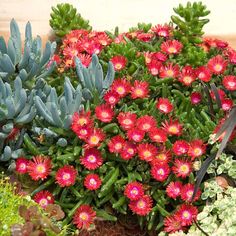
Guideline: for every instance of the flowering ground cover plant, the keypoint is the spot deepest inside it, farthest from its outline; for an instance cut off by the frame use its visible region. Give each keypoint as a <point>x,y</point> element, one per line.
<point>132,142</point>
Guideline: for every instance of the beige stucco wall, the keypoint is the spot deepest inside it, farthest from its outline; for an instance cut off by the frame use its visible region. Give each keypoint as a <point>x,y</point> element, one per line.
<point>106,14</point>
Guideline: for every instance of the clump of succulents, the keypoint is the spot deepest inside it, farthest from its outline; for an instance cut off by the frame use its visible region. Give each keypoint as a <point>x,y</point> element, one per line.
<point>64,18</point>
<point>33,63</point>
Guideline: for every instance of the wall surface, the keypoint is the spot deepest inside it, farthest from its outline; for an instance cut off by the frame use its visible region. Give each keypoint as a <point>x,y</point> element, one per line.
<point>106,14</point>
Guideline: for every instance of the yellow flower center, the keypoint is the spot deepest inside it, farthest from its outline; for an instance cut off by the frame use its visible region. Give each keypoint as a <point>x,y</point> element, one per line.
<point>92,182</point>
<point>40,168</point>
<point>134,191</point>
<point>118,146</point>
<point>141,204</point>
<point>94,140</point>
<point>186,214</point>
<point>146,126</point>
<point>83,216</point>
<point>218,67</point>
<point>170,73</point>
<point>43,202</point>
<point>66,176</point>
<point>187,79</point>
<point>120,90</point>
<point>161,172</point>
<point>91,158</point>
<point>82,121</point>
<point>147,153</point>
<point>127,121</point>
<point>184,168</point>
<point>104,114</point>
<point>130,151</point>
<point>161,157</point>
<point>139,92</point>
<point>173,129</point>
<point>172,50</point>
<point>197,151</point>
<point>163,107</point>
<point>118,66</point>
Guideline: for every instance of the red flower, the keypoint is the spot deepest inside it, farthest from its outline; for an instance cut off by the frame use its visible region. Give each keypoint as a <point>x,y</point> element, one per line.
<point>103,38</point>
<point>147,57</point>
<point>187,193</point>
<point>203,73</point>
<point>129,151</point>
<point>197,148</point>
<point>127,120</point>
<point>159,56</point>
<point>43,198</point>
<point>154,67</point>
<point>119,62</point>
<point>158,135</point>
<point>160,172</point>
<point>182,168</point>
<point>140,89</point>
<point>84,217</point>
<point>187,75</point>
<point>186,214</point>
<point>220,92</point>
<point>171,47</point>
<point>173,189</point>
<point>14,132</point>
<point>85,59</point>
<point>104,113</point>
<point>169,71</point>
<point>134,191</point>
<point>172,224</point>
<point>229,82</point>
<point>141,206</point>
<point>162,157</point>
<point>94,48</point>
<point>116,144</point>
<point>121,86</point>
<point>180,147</point>
<point>164,105</point>
<point>135,135</point>
<point>39,167</point>
<point>227,104</point>
<point>92,159</point>
<point>92,181</point>
<point>81,119</point>
<point>21,165</point>
<point>95,137</point>
<point>162,30</point>
<point>145,37</point>
<point>195,98</point>
<point>217,64</point>
<point>146,151</point>
<point>83,132</point>
<point>111,97</point>
<point>66,176</point>
<point>173,127</point>
<point>231,53</point>
<point>146,123</point>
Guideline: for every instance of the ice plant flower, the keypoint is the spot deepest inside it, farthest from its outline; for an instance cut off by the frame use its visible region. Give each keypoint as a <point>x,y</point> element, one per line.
<point>66,176</point>
<point>171,47</point>
<point>180,147</point>
<point>186,214</point>
<point>127,120</point>
<point>92,159</point>
<point>203,73</point>
<point>43,198</point>
<point>162,30</point>
<point>196,148</point>
<point>159,56</point>
<point>146,123</point>
<point>169,71</point>
<point>187,76</point>
<point>163,157</point>
<point>158,135</point>
<point>129,150</point>
<point>39,167</point>
<point>182,168</point>
<point>119,62</point>
<point>160,172</point>
<point>140,89</point>
<point>104,113</point>
<point>141,206</point>
<point>187,193</point>
<point>21,165</point>
<point>195,98</point>
<point>173,189</point>
<point>121,87</point>
<point>134,191</point>
<point>92,181</point>
<point>111,97</point>
<point>229,82</point>
<point>95,137</point>
<point>172,224</point>
<point>145,37</point>
<point>227,104</point>
<point>146,151</point>
<point>135,135</point>
<point>80,120</point>
<point>84,217</point>
<point>116,144</point>
<point>217,64</point>
<point>173,127</point>
<point>154,67</point>
<point>164,105</point>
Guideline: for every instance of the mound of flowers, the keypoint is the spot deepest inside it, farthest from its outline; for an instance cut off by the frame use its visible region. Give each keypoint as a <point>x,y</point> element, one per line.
<point>136,145</point>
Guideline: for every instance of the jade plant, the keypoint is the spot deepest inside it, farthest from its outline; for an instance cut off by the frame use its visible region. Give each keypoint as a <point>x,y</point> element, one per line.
<point>64,18</point>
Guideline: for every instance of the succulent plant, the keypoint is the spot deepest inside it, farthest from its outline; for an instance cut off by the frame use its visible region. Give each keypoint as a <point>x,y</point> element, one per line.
<point>58,110</point>
<point>64,18</point>
<point>92,80</point>
<point>16,104</point>
<point>33,63</point>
